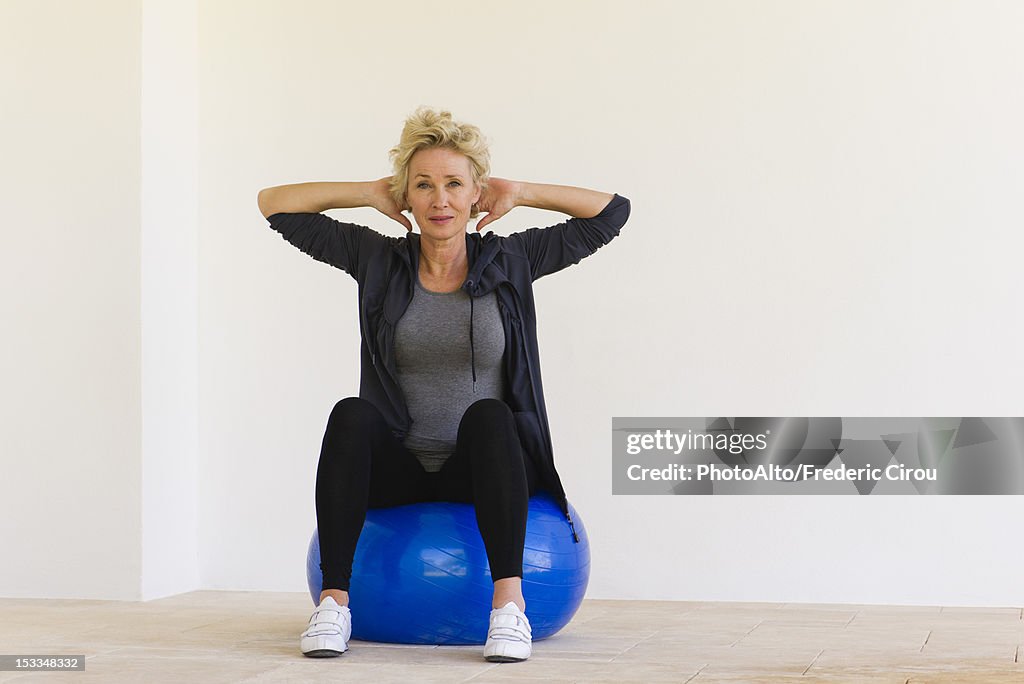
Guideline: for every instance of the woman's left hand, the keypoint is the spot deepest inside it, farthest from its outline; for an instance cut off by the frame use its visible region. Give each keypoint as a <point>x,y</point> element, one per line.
<point>499,198</point>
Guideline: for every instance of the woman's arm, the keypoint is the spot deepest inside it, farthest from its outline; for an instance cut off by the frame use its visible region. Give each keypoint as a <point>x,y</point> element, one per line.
<point>503,195</point>
<point>313,198</point>
<point>596,219</point>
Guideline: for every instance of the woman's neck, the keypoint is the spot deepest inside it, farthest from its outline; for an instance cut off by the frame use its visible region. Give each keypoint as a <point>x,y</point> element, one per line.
<point>444,263</point>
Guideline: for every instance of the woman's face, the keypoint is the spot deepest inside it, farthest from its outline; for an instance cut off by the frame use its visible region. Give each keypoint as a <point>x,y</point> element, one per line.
<point>441,191</point>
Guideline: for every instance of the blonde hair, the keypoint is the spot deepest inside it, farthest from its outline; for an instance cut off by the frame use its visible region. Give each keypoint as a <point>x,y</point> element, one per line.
<point>427,128</point>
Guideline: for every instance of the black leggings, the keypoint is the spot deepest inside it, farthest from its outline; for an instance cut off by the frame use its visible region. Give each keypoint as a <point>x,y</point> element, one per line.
<point>362,465</point>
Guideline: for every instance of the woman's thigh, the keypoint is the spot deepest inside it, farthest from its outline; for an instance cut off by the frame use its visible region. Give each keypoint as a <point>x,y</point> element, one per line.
<point>359,435</point>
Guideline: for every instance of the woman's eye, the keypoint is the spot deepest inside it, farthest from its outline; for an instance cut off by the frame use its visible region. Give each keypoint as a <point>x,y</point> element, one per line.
<point>421,186</point>
<point>455,183</point>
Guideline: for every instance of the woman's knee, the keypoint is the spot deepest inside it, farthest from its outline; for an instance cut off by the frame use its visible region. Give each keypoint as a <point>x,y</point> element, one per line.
<point>353,412</point>
<point>350,434</point>
<point>488,433</point>
<point>489,412</point>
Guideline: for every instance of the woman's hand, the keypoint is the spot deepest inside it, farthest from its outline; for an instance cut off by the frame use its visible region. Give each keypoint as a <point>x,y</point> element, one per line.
<point>499,198</point>
<point>380,199</point>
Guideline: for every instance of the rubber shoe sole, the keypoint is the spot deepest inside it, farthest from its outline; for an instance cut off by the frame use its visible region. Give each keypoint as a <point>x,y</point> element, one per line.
<point>324,648</point>
<point>503,659</point>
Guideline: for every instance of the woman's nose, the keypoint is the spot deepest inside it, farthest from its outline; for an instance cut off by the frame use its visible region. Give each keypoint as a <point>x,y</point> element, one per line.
<point>440,198</point>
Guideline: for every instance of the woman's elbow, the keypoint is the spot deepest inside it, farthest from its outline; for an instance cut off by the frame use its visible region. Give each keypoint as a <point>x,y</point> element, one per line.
<point>263,201</point>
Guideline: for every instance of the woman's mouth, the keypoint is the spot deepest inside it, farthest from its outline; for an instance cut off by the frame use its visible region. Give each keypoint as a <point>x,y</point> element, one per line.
<point>441,220</point>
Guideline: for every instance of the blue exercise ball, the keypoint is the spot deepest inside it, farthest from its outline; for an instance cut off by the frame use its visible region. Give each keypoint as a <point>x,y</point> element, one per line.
<point>420,573</point>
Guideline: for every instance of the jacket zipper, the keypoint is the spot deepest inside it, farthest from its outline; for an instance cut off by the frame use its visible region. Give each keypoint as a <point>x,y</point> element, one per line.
<point>575,537</point>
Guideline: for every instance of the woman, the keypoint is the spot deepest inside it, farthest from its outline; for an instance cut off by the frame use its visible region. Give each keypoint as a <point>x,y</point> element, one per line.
<point>450,404</point>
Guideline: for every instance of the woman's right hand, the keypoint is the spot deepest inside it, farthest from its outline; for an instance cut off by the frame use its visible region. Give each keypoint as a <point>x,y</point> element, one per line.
<point>381,200</point>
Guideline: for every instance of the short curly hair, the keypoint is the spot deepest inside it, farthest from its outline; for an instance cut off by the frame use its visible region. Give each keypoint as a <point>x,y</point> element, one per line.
<point>427,128</point>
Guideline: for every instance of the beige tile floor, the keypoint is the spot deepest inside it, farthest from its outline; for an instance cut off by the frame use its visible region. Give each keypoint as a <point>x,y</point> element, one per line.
<point>215,636</point>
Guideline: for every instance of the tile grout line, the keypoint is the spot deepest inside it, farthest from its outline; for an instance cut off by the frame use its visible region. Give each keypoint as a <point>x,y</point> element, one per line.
<point>204,625</point>
<point>747,633</point>
<point>612,659</point>
<point>697,673</point>
<point>811,664</point>
<point>483,671</point>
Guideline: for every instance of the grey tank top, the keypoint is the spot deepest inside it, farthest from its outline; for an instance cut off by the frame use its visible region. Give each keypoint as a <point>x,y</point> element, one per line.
<point>435,366</point>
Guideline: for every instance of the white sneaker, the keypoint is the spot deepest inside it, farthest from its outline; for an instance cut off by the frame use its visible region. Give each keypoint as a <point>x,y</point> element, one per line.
<point>329,630</point>
<point>509,638</point>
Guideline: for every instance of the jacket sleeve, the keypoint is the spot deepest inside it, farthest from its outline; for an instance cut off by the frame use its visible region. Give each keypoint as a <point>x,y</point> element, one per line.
<point>553,248</point>
<point>347,246</point>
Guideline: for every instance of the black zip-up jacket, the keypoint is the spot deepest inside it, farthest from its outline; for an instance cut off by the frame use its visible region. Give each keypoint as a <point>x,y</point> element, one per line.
<point>386,269</point>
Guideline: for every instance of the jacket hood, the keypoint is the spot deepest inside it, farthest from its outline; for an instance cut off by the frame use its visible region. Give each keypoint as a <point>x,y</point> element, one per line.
<point>480,251</point>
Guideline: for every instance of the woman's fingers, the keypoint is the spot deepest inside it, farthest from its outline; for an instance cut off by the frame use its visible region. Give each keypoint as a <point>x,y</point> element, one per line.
<point>499,198</point>
<point>492,215</point>
<point>401,219</point>
<point>382,200</point>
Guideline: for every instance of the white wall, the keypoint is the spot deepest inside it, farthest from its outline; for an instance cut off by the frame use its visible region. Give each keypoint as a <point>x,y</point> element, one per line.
<point>69,299</point>
<point>98,273</point>
<point>825,222</point>
<point>170,298</point>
